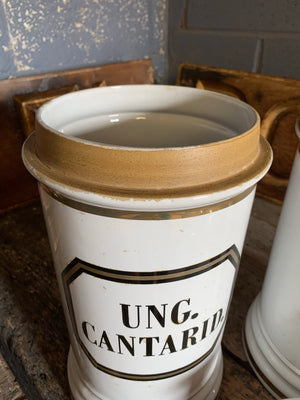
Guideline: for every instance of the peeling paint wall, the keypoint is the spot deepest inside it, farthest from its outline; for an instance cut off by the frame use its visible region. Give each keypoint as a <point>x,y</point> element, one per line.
<point>45,36</point>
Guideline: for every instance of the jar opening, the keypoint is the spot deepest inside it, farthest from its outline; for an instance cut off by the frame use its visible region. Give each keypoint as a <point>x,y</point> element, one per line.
<point>171,117</point>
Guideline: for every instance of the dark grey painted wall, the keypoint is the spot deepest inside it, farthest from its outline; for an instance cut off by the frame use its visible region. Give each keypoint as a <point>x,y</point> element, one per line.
<point>256,35</point>
<point>39,36</point>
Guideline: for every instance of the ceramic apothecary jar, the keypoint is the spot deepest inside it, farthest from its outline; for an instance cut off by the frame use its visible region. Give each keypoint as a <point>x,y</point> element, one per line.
<point>146,192</point>
<point>272,331</point>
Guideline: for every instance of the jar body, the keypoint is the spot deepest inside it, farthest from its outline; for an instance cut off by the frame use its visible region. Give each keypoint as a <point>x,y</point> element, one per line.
<point>272,327</point>
<point>280,291</point>
<point>146,295</point>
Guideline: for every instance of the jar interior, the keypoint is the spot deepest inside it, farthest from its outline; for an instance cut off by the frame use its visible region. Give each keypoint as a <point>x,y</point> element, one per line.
<point>148,116</point>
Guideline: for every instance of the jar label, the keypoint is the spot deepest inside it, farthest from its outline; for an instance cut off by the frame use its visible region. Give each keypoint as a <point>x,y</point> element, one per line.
<point>149,325</point>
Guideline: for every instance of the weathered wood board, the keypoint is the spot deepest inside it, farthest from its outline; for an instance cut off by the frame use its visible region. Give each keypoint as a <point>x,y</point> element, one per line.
<point>17,187</point>
<point>9,387</point>
<point>277,100</point>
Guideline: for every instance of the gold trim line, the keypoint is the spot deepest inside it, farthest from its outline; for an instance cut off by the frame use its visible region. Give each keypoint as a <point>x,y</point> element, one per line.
<point>146,215</point>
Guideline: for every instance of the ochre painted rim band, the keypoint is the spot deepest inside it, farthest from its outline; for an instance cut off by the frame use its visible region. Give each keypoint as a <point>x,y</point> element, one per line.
<point>148,170</point>
<point>146,215</point>
<point>56,159</point>
<point>42,173</point>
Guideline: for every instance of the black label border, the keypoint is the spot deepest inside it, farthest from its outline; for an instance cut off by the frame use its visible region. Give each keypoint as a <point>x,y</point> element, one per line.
<point>77,267</point>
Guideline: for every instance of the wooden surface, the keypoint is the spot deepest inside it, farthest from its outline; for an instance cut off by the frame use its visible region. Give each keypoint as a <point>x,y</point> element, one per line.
<point>9,387</point>
<point>277,100</point>
<point>17,187</point>
<point>33,336</point>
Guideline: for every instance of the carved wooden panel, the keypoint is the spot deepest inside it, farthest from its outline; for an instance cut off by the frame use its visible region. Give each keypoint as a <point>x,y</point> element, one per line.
<point>276,99</point>
<point>20,97</point>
